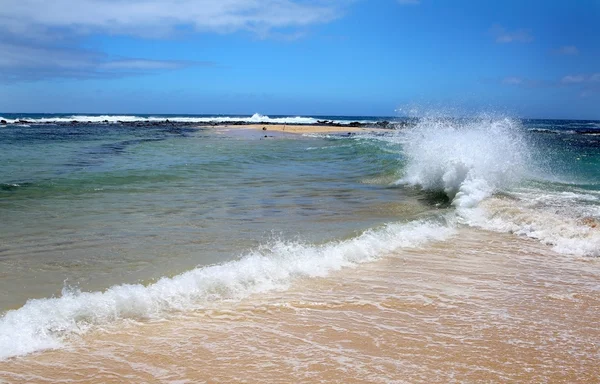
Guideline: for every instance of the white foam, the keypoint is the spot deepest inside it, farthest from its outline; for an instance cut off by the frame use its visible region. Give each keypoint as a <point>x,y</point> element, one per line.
<point>472,161</point>
<point>468,161</point>
<point>256,118</point>
<point>566,230</point>
<point>43,323</point>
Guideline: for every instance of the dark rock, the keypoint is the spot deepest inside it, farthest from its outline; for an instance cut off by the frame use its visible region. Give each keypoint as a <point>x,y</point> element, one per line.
<point>355,124</point>
<point>383,124</point>
<point>23,121</point>
<point>264,129</point>
<point>3,122</point>
<point>329,122</point>
<point>106,121</point>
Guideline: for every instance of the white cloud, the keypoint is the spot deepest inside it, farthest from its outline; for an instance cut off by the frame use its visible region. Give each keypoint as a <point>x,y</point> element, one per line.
<point>502,35</point>
<point>512,81</point>
<point>568,50</point>
<point>158,18</point>
<point>22,62</point>
<point>34,33</point>
<point>581,78</point>
<point>142,64</point>
<point>588,84</point>
<point>573,79</point>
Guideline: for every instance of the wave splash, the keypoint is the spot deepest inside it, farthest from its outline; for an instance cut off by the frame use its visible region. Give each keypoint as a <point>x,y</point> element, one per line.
<point>44,323</point>
<point>469,161</point>
<point>499,181</point>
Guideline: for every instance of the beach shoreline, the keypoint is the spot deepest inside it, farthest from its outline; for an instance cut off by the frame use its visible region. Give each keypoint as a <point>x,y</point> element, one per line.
<point>297,128</point>
<point>478,321</point>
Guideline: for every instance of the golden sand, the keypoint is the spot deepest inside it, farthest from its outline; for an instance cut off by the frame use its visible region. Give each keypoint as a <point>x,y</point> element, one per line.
<point>478,308</point>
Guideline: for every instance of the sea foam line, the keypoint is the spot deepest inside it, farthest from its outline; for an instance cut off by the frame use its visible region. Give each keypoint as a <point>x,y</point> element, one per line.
<point>257,118</point>
<point>44,323</point>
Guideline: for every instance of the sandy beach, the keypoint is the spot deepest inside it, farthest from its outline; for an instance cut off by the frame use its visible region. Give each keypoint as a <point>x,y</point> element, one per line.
<point>300,129</point>
<point>457,312</point>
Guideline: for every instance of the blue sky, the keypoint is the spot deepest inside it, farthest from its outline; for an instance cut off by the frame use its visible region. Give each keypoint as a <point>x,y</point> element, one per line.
<point>325,57</point>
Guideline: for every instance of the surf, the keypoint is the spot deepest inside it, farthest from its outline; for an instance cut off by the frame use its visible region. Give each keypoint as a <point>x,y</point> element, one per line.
<point>468,161</point>
<point>47,323</point>
<point>499,179</point>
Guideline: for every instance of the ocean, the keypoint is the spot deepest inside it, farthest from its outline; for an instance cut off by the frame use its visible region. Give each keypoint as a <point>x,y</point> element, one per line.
<point>158,248</point>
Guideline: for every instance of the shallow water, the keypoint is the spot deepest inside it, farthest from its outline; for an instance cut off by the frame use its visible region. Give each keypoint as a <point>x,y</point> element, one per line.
<point>479,307</point>
<point>96,215</point>
<point>452,250</point>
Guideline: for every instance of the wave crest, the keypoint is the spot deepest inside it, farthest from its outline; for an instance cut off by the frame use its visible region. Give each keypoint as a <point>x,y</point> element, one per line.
<point>469,161</point>
<point>43,323</point>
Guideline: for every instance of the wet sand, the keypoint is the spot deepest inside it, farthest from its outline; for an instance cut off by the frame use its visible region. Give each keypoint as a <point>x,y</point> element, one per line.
<point>481,307</point>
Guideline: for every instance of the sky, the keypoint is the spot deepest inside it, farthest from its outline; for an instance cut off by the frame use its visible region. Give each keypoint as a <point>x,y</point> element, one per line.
<point>536,59</point>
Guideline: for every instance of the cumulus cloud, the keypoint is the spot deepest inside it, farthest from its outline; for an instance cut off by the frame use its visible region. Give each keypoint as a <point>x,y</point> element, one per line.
<point>503,35</point>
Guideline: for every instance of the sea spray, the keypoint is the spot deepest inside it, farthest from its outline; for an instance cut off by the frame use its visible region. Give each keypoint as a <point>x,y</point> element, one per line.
<point>469,160</point>
<point>44,323</point>
<point>499,180</point>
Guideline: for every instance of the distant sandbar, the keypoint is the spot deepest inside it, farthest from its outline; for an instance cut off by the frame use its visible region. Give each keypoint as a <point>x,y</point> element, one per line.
<point>302,129</point>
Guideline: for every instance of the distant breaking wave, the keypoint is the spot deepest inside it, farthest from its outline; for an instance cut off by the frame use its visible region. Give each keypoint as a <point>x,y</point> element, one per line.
<point>114,119</point>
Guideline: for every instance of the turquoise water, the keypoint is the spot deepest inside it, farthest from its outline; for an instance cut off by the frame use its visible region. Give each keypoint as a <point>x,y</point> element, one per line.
<point>86,207</point>
<point>101,205</point>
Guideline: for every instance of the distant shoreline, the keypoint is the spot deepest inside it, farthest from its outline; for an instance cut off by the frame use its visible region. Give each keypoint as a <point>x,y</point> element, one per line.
<point>300,128</point>
<point>326,125</point>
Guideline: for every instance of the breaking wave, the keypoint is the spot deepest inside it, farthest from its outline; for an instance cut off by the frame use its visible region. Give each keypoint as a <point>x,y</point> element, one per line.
<point>113,119</point>
<point>497,180</point>
<point>44,323</point>
<point>468,161</point>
